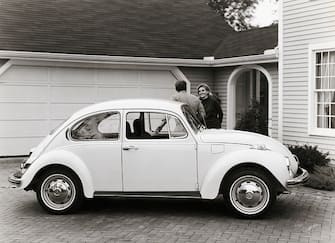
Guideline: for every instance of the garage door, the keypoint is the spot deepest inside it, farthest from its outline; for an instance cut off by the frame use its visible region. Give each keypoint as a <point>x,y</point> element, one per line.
<point>33,100</point>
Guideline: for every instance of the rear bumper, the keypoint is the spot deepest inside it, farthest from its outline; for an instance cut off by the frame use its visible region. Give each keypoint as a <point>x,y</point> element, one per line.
<point>300,178</point>
<point>15,178</point>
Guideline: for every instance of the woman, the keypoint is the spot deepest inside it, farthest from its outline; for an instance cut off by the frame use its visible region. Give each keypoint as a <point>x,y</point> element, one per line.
<point>212,107</point>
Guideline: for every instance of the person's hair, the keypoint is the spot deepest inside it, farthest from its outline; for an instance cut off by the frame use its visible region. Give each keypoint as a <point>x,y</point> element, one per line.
<point>205,86</point>
<point>180,85</point>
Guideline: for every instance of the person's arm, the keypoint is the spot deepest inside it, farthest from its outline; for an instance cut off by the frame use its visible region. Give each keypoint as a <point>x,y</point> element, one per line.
<point>160,127</point>
<point>218,110</point>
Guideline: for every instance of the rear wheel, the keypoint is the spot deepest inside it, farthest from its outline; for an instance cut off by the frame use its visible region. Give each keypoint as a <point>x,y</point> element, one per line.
<point>249,192</point>
<point>59,191</point>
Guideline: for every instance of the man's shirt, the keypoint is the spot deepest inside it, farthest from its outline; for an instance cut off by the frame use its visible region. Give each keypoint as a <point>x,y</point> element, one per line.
<point>191,100</point>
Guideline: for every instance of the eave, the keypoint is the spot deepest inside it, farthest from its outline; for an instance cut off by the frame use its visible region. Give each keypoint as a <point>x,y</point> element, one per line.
<point>267,57</point>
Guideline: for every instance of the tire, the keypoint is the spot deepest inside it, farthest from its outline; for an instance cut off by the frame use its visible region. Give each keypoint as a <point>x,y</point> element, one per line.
<point>249,192</point>
<point>59,191</point>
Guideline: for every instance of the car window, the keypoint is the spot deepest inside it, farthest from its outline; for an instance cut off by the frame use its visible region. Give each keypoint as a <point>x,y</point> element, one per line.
<point>176,128</point>
<point>153,125</point>
<point>103,126</point>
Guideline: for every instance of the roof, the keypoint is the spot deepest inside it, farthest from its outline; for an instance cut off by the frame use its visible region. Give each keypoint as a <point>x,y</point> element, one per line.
<point>159,104</point>
<point>249,42</point>
<point>150,28</point>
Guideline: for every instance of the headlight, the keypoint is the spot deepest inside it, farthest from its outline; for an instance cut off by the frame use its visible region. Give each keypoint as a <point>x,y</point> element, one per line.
<point>296,159</point>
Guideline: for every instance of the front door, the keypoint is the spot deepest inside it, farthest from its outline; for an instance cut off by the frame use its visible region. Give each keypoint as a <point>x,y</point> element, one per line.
<point>158,154</point>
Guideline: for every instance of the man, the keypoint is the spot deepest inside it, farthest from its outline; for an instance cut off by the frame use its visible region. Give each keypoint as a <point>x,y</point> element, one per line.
<point>191,100</point>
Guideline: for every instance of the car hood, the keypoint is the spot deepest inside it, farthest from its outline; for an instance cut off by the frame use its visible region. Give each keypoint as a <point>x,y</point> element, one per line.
<point>243,138</point>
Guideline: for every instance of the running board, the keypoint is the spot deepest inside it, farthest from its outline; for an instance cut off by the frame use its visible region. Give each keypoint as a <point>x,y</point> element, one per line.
<point>181,195</point>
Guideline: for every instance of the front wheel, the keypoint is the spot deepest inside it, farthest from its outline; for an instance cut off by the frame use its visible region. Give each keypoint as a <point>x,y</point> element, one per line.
<point>249,192</point>
<point>59,192</point>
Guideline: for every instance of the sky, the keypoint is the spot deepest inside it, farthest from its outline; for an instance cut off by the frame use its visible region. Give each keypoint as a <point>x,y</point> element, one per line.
<point>265,13</point>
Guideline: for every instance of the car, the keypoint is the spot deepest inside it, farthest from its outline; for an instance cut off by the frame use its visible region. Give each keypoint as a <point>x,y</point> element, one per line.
<point>155,148</point>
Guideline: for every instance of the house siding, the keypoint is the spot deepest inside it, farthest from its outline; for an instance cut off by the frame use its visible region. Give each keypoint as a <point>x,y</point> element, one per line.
<point>197,76</point>
<point>221,84</point>
<point>304,22</point>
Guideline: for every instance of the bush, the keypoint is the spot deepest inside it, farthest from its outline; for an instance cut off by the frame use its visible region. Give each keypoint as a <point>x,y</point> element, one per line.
<point>254,120</point>
<point>309,156</point>
<point>322,178</point>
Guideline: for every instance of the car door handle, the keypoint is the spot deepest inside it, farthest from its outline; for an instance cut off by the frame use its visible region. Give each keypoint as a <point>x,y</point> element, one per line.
<point>130,147</point>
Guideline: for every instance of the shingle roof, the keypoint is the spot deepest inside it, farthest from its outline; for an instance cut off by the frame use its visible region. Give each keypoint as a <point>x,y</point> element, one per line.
<point>152,28</point>
<point>246,43</point>
<point>138,28</point>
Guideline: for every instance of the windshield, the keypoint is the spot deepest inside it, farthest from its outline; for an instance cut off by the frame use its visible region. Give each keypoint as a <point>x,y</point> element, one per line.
<point>192,119</point>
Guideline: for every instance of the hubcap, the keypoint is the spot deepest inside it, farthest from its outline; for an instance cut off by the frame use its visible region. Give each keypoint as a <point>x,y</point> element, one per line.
<point>58,192</point>
<point>249,194</point>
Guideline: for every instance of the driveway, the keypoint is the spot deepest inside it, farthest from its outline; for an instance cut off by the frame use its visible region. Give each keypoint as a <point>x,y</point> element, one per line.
<point>305,215</point>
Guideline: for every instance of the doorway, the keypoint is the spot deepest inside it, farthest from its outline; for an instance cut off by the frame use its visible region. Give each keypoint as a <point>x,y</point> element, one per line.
<point>248,85</point>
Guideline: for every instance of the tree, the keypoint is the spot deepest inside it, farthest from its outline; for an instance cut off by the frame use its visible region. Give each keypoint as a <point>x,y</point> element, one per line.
<point>237,13</point>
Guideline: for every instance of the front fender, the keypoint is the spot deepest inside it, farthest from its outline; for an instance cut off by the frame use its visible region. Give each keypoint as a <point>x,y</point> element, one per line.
<point>272,161</point>
<point>65,158</point>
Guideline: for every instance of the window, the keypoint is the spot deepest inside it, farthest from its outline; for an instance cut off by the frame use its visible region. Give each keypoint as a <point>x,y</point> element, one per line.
<point>324,92</point>
<point>103,126</point>
<point>153,125</point>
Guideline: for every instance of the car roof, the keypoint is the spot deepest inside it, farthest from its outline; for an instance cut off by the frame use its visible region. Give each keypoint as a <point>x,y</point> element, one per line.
<point>120,104</point>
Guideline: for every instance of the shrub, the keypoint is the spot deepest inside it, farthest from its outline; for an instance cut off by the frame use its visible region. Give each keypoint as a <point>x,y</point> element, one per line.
<point>254,120</point>
<point>309,156</point>
<point>322,178</point>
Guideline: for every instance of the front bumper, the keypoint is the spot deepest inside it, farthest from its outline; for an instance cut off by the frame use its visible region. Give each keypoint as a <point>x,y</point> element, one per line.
<point>300,178</point>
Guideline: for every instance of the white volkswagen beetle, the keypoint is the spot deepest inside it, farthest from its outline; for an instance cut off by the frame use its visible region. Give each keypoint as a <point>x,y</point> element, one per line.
<point>155,148</point>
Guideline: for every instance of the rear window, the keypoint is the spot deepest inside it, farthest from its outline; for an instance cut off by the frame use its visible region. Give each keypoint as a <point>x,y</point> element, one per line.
<point>103,126</point>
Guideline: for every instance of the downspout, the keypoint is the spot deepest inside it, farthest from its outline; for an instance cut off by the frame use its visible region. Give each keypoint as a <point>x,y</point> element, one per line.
<point>280,71</point>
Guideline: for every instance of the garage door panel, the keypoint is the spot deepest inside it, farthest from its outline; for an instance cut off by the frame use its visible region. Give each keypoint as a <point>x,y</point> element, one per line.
<point>71,76</point>
<point>24,111</point>
<point>157,79</point>
<point>118,93</point>
<point>157,93</point>
<point>26,74</point>
<point>118,77</point>
<point>55,123</point>
<point>63,111</point>
<point>70,94</point>
<point>18,146</point>
<point>19,129</point>
<point>23,93</point>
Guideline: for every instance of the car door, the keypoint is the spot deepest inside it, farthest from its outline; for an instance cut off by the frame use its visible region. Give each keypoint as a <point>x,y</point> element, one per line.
<point>158,154</point>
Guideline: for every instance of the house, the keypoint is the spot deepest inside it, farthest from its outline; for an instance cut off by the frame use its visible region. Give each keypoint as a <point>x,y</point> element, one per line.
<point>58,56</point>
<point>307,73</point>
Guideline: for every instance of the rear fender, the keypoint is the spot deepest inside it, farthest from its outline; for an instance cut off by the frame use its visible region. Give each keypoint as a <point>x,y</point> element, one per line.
<point>63,158</point>
<point>274,162</point>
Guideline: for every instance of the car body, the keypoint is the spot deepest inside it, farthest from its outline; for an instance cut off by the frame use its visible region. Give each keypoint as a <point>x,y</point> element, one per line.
<point>115,148</point>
